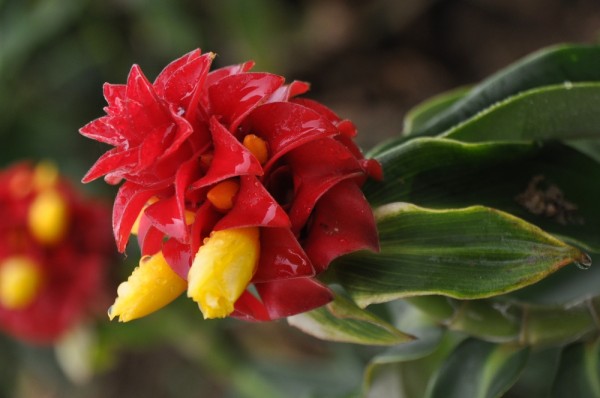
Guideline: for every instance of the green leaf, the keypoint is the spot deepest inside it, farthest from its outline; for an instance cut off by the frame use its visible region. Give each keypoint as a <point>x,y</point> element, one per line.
<point>549,66</point>
<point>536,379</point>
<point>590,147</point>
<point>406,374</point>
<point>553,65</point>
<point>442,173</point>
<point>343,321</point>
<point>565,111</point>
<point>430,338</point>
<point>422,114</point>
<point>567,286</point>
<point>477,369</point>
<point>468,253</point>
<point>416,170</point>
<point>501,319</point>
<point>579,371</point>
<point>555,325</point>
<point>487,320</point>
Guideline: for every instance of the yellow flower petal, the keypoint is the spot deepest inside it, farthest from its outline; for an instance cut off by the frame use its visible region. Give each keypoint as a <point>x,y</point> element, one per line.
<point>20,282</point>
<point>48,217</point>
<point>151,286</point>
<point>45,175</point>
<point>222,269</point>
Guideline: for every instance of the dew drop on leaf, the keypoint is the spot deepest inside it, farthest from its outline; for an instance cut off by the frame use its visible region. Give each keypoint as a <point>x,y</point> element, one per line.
<point>584,262</point>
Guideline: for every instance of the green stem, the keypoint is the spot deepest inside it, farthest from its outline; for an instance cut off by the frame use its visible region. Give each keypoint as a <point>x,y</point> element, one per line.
<point>499,321</point>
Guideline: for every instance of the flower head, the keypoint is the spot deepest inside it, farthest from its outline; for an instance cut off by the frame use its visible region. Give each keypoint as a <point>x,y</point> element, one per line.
<point>55,247</point>
<point>243,190</point>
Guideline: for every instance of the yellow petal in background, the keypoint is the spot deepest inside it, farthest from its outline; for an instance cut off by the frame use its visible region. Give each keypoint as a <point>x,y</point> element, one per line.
<point>151,286</point>
<point>20,282</point>
<point>45,176</point>
<point>222,269</point>
<point>48,217</point>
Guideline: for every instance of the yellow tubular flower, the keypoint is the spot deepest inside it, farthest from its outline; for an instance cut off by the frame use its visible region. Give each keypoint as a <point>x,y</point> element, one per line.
<point>151,286</point>
<point>222,269</point>
<point>48,217</point>
<point>45,176</point>
<point>20,282</point>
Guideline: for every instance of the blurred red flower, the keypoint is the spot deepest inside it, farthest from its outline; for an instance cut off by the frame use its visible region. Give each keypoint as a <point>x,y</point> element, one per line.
<point>214,162</point>
<point>56,246</point>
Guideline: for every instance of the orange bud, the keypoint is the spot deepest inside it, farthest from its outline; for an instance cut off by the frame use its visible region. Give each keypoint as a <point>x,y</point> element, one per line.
<point>222,194</point>
<point>258,147</point>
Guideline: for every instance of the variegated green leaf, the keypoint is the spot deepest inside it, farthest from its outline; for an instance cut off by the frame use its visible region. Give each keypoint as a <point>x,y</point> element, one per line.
<point>406,373</point>
<point>469,253</point>
<point>563,288</point>
<point>342,320</point>
<point>502,319</point>
<point>579,371</point>
<point>536,378</point>
<point>477,369</point>
<point>404,370</point>
<point>549,66</point>
<point>543,184</point>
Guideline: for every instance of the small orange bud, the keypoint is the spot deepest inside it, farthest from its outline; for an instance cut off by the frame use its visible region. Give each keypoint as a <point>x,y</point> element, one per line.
<point>222,194</point>
<point>258,147</point>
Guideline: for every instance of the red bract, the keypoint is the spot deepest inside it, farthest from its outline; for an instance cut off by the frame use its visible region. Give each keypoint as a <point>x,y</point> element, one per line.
<point>56,246</point>
<point>295,169</point>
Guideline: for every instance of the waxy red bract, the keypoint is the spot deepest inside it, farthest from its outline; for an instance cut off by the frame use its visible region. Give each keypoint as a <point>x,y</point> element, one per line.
<point>176,138</point>
<point>73,269</point>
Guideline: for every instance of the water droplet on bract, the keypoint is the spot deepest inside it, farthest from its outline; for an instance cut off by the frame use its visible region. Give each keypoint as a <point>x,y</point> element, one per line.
<point>584,262</point>
<point>109,312</point>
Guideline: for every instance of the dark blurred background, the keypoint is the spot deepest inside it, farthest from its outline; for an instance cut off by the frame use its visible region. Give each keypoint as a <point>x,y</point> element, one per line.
<point>368,60</point>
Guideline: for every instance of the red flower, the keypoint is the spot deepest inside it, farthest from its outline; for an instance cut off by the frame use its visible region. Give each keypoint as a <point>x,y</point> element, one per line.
<point>55,247</point>
<point>216,161</point>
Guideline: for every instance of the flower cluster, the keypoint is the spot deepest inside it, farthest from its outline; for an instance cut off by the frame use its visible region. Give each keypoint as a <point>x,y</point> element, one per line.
<point>56,246</point>
<point>238,191</point>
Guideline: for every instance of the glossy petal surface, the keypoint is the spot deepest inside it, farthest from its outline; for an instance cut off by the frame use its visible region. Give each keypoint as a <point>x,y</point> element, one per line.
<point>227,150</point>
<point>56,245</point>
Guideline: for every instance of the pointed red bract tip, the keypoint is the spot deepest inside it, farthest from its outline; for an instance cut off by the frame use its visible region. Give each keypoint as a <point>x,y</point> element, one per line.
<point>298,175</point>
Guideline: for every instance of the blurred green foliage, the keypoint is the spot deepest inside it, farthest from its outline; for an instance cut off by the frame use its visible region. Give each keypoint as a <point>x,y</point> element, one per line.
<point>54,57</point>
<point>56,54</point>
